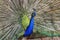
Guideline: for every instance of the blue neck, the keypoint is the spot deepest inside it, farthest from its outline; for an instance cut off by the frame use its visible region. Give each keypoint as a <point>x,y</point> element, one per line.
<point>32,19</point>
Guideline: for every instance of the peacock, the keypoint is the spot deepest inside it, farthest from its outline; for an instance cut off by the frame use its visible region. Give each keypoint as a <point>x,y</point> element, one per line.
<point>15,13</point>
<point>30,26</point>
<point>29,29</point>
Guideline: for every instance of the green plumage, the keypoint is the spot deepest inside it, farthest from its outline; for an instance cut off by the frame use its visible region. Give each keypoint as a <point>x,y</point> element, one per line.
<point>25,21</point>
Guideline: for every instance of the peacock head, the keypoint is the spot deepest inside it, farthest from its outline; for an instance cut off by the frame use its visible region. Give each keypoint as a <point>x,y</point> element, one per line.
<point>34,13</point>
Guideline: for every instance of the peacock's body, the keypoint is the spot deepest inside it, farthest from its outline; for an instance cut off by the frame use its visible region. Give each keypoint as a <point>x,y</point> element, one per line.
<point>29,29</point>
<point>12,13</point>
